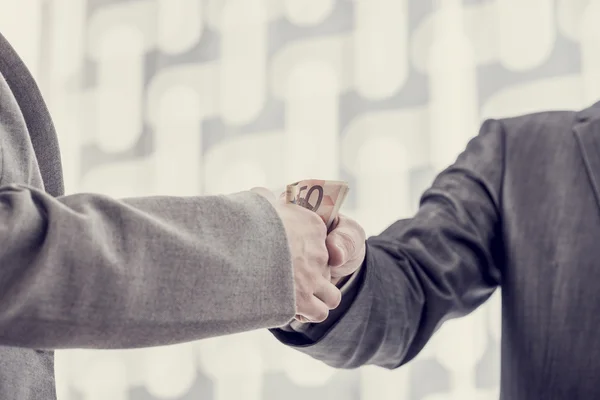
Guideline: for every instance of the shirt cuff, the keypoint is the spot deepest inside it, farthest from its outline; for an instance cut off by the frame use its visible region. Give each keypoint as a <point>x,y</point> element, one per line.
<point>350,282</point>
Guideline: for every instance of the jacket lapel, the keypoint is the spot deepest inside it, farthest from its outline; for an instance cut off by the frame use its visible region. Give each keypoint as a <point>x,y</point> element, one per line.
<point>36,115</point>
<point>587,131</point>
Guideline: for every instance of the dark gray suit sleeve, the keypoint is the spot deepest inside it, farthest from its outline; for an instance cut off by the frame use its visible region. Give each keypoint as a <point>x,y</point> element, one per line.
<point>89,271</point>
<point>442,263</point>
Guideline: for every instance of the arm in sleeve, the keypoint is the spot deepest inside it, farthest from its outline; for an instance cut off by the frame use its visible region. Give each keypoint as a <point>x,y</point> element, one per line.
<point>89,271</point>
<point>442,263</point>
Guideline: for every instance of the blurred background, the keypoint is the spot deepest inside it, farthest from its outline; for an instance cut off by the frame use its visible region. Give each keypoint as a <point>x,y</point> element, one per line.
<point>191,97</point>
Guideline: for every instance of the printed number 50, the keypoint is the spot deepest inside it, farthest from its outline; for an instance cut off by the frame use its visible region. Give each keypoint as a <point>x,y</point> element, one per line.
<point>306,201</point>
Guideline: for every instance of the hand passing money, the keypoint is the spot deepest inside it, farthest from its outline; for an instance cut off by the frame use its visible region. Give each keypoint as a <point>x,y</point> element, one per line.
<point>322,197</point>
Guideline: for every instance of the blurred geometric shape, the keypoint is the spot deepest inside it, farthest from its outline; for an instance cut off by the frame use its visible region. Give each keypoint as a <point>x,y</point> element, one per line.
<point>421,179</point>
<point>494,305</point>
<point>480,27</point>
<point>180,104</point>
<point>569,14</point>
<point>522,47</point>
<point>382,180</point>
<point>104,376</point>
<point>307,12</point>
<point>231,354</point>
<point>590,54</point>
<point>21,23</point>
<point>243,61</point>
<point>120,180</point>
<point>382,153</point>
<point>553,93</point>
<point>201,78</point>
<point>409,126</point>
<point>62,366</point>
<point>120,88</point>
<point>330,50</point>
<point>169,371</point>
<point>234,364</point>
<point>460,344</point>
<point>453,92</point>
<point>488,368</point>
<point>258,158</point>
<point>240,176</point>
<point>306,371</point>
<point>69,124</point>
<point>380,47</point>
<point>178,143</point>
<point>214,12</point>
<point>312,134</point>
<point>382,384</point>
<point>469,394</point>
<point>427,376</point>
<point>138,14</point>
<point>179,25</point>
<point>68,31</point>
<point>343,384</point>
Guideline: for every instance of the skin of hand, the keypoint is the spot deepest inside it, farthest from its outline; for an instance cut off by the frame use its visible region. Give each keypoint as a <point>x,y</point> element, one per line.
<point>346,247</point>
<point>306,235</point>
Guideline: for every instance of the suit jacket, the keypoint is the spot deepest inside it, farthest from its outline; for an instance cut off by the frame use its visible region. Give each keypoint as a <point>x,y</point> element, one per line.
<point>519,209</point>
<point>89,271</point>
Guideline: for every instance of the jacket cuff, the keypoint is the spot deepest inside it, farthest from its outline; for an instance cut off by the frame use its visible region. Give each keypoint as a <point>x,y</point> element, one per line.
<point>298,333</point>
<point>278,293</point>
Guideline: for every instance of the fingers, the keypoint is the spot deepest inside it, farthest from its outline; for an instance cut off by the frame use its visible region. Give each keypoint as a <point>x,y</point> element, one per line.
<point>343,241</point>
<point>329,295</point>
<point>264,192</point>
<point>316,311</point>
<point>326,297</point>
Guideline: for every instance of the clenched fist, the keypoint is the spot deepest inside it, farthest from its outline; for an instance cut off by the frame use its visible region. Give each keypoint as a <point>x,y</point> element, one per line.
<point>306,234</point>
<point>346,247</point>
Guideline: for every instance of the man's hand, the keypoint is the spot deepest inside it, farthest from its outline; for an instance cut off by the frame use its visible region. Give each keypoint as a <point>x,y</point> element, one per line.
<point>306,234</point>
<point>346,246</point>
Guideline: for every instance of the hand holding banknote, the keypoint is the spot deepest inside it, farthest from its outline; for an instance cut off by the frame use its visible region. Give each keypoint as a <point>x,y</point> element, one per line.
<point>345,241</point>
<point>321,197</point>
<point>306,235</point>
<point>325,246</point>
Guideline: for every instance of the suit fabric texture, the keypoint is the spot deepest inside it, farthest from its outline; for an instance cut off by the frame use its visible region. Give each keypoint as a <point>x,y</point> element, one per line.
<point>90,271</point>
<point>518,210</point>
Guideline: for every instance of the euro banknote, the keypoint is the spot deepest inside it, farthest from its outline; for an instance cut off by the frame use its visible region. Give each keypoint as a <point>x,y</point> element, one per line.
<point>320,196</point>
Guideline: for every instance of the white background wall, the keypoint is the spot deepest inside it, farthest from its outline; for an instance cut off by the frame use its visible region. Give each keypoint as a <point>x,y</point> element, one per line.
<point>189,97</point>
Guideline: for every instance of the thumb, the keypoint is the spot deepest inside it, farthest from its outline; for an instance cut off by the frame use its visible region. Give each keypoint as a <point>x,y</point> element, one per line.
<point>282,198</point>
<point>341,243</point>
<point>264,192</point>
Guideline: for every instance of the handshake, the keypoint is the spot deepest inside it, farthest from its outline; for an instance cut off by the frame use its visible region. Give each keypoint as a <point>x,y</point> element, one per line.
<point>325,247</point>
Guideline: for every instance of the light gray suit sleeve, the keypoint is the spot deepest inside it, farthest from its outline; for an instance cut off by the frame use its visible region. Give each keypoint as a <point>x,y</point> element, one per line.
<point>442,263</point>
<point>89,271</point>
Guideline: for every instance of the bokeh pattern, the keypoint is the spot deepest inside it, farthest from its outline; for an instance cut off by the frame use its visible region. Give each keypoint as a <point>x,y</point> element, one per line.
<point>189,97</point>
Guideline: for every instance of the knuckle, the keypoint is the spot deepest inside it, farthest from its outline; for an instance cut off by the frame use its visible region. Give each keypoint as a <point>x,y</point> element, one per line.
<point>313,217</point>
<point>321,315</point>
<point>322,257</point>
<point>302,298</point>
<point>317,223</point>
<point>326,273</point>
<point>347,242</point>
<point>360,229</point>
<point>335,300</point>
